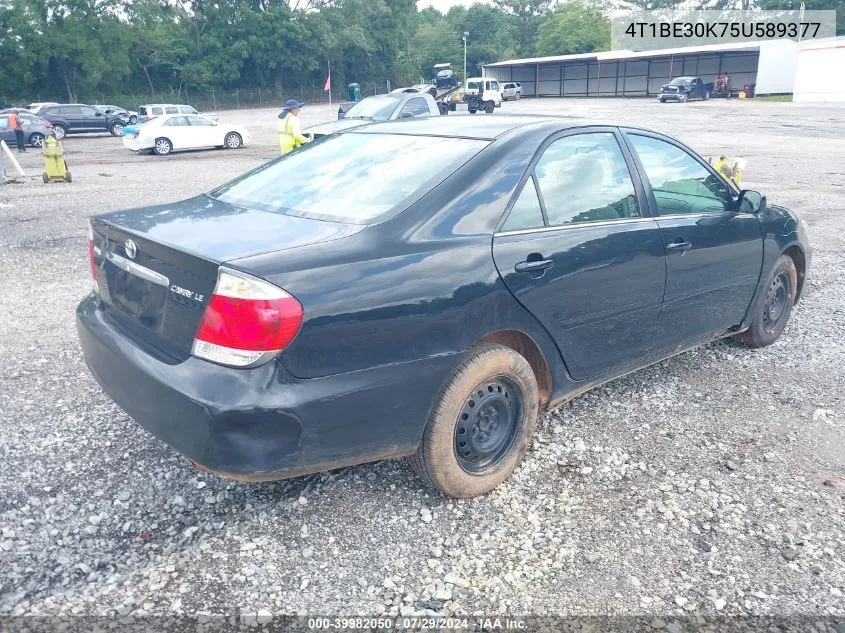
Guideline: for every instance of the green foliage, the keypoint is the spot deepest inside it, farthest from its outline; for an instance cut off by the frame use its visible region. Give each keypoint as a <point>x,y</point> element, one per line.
<point>87,49</point>
<point>574,27</point>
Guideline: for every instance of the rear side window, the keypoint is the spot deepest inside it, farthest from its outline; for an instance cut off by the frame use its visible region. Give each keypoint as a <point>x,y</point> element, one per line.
<point>584,178</point>
<point>199,121</point>
<point>157,111</point>
<point>526,212</point>
<point>187,110</point>
<point>171,110</point>
<point>176,121</point>
<point>355,178</point>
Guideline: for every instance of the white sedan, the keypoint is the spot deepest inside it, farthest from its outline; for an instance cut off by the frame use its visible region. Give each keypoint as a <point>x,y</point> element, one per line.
<point>172,132</point>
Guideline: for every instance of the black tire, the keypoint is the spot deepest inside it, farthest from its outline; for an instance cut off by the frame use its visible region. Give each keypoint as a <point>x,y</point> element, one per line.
<point>162,146</point>
<point>45,177</point>
<point>68,177</point>
<point>472,111</point>
<point>506,413</point>
<point>233,140</point>
<point>60,131</point>
<point>36,139</point>
<point>774,305</point>
<point>489,107</point>
<point>682,98</point>
<point>444,109</point>
<point>518,96</point>
<point>116,129</point>
<point>707,95</point>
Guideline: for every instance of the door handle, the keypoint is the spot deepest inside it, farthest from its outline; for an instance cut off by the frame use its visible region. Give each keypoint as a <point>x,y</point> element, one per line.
<point>678,246</point>
<point>533,266</point>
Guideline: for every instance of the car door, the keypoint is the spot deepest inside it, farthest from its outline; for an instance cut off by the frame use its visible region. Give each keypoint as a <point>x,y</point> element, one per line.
<point>579,250</point>
<point>6,132</point>
<point>178,130</point>
<point>90,119</point>
<point>203,132</point>
<point>714,253</point>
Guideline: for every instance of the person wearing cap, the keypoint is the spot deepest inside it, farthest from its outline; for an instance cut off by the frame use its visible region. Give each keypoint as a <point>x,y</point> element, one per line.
<point>290,129</point>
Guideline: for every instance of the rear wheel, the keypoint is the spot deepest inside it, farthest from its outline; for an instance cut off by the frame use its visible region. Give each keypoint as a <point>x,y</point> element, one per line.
<point>36,139</point>
<point>233,140</point>
<point>162,146</point>
<point>489,107</point>
<point>60,131</point>
<point>444,109</point>
<point>774,306</point>
<point>482,424</point>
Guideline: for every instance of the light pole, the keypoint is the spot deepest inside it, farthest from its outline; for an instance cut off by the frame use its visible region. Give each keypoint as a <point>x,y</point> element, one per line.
<point>464,38</point>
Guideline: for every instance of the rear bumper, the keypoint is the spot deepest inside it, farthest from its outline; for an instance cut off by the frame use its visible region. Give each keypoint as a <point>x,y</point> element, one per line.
<point>262,424</point>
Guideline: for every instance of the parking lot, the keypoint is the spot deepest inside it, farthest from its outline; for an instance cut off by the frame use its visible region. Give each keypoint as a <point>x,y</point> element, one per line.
<point>711,483</point>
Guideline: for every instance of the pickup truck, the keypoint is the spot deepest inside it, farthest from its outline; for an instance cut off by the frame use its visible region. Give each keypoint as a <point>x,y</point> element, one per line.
<point>685,88</point>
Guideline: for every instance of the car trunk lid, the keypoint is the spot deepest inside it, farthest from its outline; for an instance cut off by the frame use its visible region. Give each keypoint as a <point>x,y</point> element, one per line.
<point>156,268</point>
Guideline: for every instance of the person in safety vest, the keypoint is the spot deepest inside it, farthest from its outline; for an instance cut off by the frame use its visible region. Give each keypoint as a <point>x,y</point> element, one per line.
<point>17,126</point>
<point>290,129</point>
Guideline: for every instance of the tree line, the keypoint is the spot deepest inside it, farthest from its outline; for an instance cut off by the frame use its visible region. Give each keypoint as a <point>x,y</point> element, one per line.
<point>80,50</point>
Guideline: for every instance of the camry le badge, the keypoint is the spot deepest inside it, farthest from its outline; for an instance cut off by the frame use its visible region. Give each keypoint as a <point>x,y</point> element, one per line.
<point>131,249</point>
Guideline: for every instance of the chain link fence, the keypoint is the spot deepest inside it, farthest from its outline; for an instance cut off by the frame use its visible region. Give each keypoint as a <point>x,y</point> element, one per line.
<point>214,99</point>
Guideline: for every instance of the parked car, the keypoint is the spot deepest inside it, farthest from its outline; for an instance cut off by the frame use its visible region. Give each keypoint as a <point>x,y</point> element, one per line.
<point>445,77</point>
<point>146,112</point>
<point>511,90</point>
<point>429,88</point>
<point>400,105</point>
<point>129,115</point>
<point>425,289</point>
<point>35,129</point>
<point>684,88</point>
<point>77,118</point>
<point>174,132</point>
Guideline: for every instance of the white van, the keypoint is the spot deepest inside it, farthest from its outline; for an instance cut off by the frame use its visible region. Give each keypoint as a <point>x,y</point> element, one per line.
<point>487,88</point>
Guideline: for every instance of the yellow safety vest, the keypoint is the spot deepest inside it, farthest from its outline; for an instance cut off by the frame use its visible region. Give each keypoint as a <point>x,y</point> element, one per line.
<point>287,141</point>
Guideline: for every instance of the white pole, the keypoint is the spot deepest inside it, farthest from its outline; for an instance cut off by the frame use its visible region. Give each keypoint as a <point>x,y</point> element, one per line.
<point>330,86</point>
<point>11,158</point>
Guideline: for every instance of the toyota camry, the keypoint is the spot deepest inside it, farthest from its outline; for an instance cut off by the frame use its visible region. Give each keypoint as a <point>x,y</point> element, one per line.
<point>425,288</point>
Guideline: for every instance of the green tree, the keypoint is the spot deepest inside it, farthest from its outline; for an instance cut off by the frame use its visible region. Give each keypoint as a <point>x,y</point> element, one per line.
<point>574,27</point>
<point>527,15</point>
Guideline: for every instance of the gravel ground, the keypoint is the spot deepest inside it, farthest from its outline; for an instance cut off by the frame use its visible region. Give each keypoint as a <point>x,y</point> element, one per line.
<point>712,483</point>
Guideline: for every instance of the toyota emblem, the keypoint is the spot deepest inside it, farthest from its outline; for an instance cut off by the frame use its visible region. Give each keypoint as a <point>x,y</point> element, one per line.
<point>131,249</point>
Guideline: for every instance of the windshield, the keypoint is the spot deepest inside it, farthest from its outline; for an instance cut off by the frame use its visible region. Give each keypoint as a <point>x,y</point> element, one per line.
<point>375,108</point>
<point>681,81</point>
<point>355,178</point>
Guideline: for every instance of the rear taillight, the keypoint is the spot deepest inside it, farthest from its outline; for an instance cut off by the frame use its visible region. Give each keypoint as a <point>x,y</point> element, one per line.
<point>48,125</point>
<point>247,321</point>
<point>91,251</point>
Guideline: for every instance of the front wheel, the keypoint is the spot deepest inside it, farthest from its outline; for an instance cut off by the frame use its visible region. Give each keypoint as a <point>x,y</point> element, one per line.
<point>116,129</point>
<point>773,307</point>
<point>133,120</point>
<point>518,96</point>
<point>706,96</point>
<point>682,98</point>
<point>481,425</point>
<point>472,111</point>
<point>489,107</point>
<point>162,146</point>
<point>233,140</point>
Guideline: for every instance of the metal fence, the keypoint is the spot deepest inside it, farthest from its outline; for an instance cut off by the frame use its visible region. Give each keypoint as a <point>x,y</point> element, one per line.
<point>213,99</point>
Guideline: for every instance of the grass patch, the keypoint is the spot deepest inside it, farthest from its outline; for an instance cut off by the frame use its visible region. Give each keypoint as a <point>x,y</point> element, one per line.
<point>774,98</point>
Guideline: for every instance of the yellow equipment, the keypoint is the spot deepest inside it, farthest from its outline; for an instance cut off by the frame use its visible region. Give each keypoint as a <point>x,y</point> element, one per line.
<point>55,167</point>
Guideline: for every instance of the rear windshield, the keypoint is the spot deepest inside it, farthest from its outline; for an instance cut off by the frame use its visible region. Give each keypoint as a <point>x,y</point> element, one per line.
<point>354,178</point>
<point>474,85</point>
<point>444,73</point>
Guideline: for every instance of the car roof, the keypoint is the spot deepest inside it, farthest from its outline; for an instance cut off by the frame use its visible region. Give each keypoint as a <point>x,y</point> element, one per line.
<point>483,127</point>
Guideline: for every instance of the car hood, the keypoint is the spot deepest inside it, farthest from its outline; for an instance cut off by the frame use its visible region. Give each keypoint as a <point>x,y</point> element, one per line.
<point>221,232</point>
<point>336,126</point>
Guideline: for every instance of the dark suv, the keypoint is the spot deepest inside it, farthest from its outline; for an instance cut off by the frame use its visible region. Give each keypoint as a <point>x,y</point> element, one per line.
<point>447,78</point>
<point>77,118</point>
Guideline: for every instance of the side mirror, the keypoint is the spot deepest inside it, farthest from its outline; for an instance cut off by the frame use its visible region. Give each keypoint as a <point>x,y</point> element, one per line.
<point>750,202</point>
<point>98,113</point>
<point>406,115</point>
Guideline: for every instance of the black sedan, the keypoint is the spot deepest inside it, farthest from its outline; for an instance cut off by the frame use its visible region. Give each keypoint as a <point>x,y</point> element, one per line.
<point>425,288</point>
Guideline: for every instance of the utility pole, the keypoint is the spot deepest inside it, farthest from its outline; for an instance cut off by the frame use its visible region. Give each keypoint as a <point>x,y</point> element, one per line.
<point>464,38</point>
